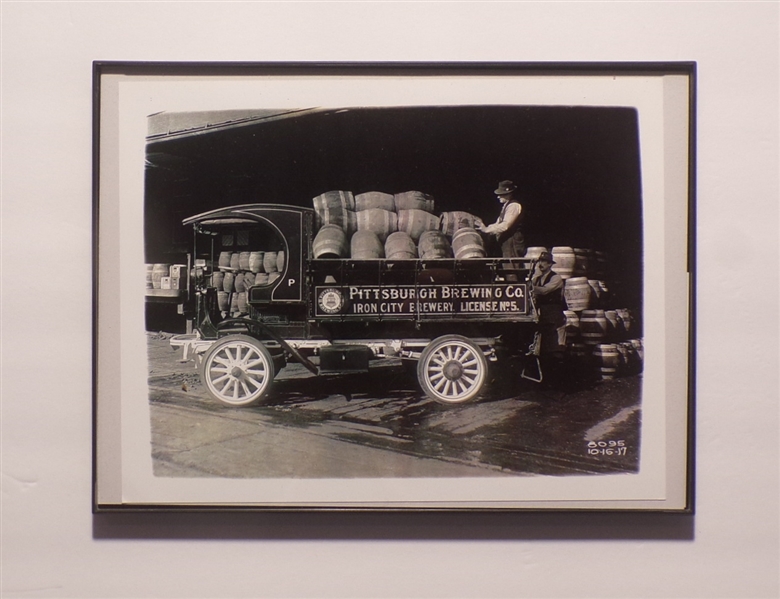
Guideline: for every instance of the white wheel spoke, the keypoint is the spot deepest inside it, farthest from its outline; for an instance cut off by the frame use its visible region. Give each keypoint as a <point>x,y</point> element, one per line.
<point>255,382</point>
<point>247,359</point>
<point>254,363</point>
<point>245,388</point>
<point>436,379</point>
<point>218,380</point>
<point>256,373</point>
<point>227,386</point>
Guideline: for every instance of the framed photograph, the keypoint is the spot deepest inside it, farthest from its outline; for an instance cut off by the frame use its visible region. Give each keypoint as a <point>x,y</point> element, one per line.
<point>416,286</point>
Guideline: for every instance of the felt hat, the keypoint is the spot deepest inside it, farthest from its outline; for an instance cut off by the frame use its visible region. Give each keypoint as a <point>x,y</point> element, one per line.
<point>546,257</point>
<point>504,188</point>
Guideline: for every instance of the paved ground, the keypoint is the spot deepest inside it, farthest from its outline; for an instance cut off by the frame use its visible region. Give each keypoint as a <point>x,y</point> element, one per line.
<point>380,424</point>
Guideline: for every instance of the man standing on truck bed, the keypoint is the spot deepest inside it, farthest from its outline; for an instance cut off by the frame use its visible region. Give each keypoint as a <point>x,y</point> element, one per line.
<point>507,228</point>
<point>548,298</point>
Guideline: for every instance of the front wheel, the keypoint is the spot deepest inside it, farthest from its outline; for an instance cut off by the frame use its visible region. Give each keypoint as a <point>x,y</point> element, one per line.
<point>237,370</point>
<point>452,369</point>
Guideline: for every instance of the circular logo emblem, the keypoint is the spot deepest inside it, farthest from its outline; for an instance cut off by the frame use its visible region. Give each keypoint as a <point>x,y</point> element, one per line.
<point>331,301</point>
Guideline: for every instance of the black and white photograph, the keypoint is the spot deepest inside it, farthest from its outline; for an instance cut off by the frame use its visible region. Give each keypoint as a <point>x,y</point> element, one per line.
<point>420,292</point>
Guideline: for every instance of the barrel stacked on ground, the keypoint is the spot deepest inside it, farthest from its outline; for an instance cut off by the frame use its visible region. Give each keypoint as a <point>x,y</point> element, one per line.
<point>600,338</point>
<point>166,276</point>
<point>403,226</point>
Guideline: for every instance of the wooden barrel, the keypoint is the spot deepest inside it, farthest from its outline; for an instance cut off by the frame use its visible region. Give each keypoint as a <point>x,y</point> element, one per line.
<point>238,283</point>
<point>243,260</point>
<point>256,262</point>
<point>450,222</point>
<point>261,278</point>
<point>158,272</point>
<point>624,362</point>
<point>241,302</point>
<point>582,263</point>
<point>564,261</point>
<point>273,277</point>
<point>535,251</point>
<point>378,221</point>
<point>216,280</point>
<point>626,322</point>
<point>235,259</point>
<point>335,208</point>
<point>467,244</point>
<point>600,293</point>
<point>434,245</point>
<point>639,352</point>
<point>249,280</point>
<point>234,304</point>
<point>415,222</point>
<point>224,259</point>
<point>572,324</point>
<point>374,199</point>
<point>400,246</point>
<point>613,325</point>
<point>413,200</point>
<point>149,281</point>
<point>330,242</point>
<point>576,292</point>
<point>607,359</point>
<point>593,327</point>
<point>223,300</point>
<point>269,262</point>
<point>280,261</point>
<point>366,245</point>
<point>332,199</point>
<point>227,282</point>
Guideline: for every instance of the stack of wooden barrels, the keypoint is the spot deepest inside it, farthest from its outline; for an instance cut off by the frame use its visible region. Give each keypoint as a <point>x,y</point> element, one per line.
<point>604,339</point>
<point>402,226</point>
<point>238,271</point>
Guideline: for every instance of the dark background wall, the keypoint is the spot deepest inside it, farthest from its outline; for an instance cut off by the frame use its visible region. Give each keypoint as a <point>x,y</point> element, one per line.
<point>577,169</point>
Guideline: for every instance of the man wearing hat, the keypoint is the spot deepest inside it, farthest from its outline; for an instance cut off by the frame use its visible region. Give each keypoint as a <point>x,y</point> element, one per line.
<point>507,229</point>
<point>547,288</point>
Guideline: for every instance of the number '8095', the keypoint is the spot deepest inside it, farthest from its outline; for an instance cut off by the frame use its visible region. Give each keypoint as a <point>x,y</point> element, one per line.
<point>607,447</point>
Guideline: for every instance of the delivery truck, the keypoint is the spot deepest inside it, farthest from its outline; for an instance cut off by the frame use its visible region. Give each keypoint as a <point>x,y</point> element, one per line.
<point>265,291</point>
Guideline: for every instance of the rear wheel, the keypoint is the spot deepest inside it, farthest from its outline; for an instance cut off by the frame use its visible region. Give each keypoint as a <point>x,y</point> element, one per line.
<point>237,370</point>
<point>452,369</point>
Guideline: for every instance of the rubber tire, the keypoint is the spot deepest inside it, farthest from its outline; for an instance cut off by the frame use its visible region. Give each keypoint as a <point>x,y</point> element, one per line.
<point>460,352</point>
<point>211,370</point>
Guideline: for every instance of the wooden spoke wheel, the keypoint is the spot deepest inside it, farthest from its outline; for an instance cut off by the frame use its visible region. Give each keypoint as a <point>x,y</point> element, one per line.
<point>452,369</point>
<point>237,370</point>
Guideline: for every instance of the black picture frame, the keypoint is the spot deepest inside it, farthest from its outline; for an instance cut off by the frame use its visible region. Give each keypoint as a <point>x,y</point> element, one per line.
<point>582,118</point>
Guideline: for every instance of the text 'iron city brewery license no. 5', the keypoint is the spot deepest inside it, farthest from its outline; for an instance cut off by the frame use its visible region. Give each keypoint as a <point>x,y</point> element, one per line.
<point>411,300</point>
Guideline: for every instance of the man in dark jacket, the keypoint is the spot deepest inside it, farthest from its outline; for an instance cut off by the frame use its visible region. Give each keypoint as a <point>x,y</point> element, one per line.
<point>548,298</point>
